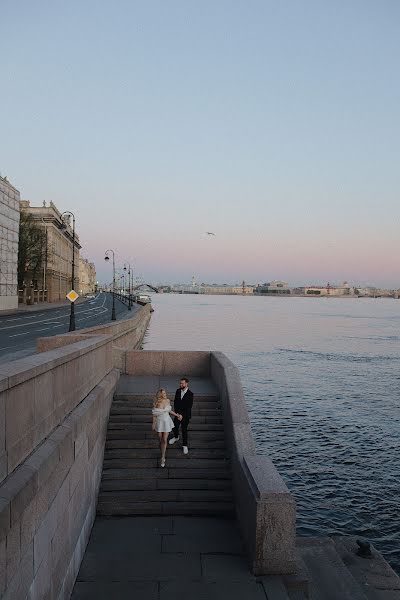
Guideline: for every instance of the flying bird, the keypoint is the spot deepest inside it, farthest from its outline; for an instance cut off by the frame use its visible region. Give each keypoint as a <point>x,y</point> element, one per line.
<point>210,233</point>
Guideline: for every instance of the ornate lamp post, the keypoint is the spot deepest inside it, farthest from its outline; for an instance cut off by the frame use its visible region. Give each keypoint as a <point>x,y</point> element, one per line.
<point>107,258</point>
<point>129,286</point>
<point>63,227</point>
<point>45,261</point>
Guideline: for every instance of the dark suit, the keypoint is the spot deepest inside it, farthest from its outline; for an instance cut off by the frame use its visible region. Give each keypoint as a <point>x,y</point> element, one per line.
<point>183,407</point>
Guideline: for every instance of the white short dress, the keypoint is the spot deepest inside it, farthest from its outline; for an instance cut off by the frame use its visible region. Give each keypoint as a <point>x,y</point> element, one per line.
<point>164,423</point>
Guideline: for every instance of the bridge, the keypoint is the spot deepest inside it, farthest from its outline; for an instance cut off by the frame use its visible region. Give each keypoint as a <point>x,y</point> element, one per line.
<point>144,285</point>
<point>85,513</point>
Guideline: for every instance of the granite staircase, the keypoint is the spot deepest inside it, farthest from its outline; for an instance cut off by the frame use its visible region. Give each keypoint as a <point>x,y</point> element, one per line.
<point>133,483</point>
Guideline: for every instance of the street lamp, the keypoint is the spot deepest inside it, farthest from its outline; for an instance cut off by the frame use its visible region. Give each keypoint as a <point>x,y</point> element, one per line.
<point>63,227</point>
<point>129,286</point>
<point>107,258</point>
<point>45,261</point>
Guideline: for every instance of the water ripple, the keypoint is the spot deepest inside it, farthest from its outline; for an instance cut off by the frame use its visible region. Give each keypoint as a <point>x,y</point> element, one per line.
<point>323,391</point>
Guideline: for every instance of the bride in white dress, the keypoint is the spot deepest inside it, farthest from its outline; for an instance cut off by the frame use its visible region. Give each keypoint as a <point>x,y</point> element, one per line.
<point>162,422</point>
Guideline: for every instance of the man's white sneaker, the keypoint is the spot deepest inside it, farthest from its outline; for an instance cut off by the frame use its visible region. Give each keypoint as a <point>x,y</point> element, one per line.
<point>185,449</point>
<point>173,440</point>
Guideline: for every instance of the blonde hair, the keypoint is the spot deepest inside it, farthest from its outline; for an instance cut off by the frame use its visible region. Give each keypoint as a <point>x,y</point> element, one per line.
<point>161,396</point>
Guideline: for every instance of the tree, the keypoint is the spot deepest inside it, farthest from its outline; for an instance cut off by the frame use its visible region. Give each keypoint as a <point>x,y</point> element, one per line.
<point>31,249</point>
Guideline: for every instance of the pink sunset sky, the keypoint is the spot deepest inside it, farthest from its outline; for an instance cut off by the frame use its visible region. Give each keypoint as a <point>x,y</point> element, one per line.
<point>274,125</point>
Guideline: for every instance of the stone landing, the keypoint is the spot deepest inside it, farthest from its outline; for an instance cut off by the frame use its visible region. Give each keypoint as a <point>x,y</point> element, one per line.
<point>170,558</point>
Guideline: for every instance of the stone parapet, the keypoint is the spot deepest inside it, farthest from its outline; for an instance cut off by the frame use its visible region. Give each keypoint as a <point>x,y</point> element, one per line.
<point>47,505</point>
<point>266,509</point>
<point>38,392</point>
<point>126,334</point>
<point>170,362</point>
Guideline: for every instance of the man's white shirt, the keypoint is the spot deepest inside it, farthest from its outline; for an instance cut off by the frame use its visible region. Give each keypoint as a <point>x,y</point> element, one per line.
<point>183,392</point>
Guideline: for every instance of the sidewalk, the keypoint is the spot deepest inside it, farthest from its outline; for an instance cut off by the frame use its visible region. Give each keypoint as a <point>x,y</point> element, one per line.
<point>25,308</point>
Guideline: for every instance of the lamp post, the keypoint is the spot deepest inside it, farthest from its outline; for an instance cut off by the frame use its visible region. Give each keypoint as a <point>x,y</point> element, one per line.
<point>63,228</point>
<point>45,260</point>
<point>107,258</point>
<point>129,286</point>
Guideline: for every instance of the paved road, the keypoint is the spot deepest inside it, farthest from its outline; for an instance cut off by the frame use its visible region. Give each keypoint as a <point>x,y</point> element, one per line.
<point>18,333</point>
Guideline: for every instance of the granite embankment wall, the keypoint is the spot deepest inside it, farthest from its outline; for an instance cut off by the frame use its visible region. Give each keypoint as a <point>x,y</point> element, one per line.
<point>54,409</point>
<point>127,334</point>
<point>265,508</point>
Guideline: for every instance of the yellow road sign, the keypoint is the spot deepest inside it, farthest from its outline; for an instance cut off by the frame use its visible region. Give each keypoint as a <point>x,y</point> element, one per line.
<point>72,296</point>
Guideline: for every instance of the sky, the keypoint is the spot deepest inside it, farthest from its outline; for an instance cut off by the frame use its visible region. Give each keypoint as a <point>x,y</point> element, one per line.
<point>275,125</point>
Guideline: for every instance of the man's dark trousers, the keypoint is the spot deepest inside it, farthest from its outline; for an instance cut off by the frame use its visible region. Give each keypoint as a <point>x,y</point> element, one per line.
<point>183,406</point>
<point>184,423</point>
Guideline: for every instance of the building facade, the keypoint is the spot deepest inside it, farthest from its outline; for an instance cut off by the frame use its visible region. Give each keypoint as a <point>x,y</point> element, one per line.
<point>55,276</point>
<point>87,277</point>
<point>329,290</point>
<point>9,232</point>
<point>236,290</point>
<point>274,288</point>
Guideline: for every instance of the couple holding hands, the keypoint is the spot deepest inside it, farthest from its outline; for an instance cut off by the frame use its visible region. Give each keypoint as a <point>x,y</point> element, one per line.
<point>162,422</point>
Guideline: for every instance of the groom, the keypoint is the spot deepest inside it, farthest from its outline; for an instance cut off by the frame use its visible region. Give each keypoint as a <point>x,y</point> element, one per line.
<point>183,406</point>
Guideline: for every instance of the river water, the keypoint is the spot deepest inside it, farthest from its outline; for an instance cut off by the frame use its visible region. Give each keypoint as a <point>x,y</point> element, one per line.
<point>322,383</point>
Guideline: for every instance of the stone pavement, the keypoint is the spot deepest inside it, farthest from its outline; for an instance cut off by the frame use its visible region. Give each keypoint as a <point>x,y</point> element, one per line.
<point>169,558</point>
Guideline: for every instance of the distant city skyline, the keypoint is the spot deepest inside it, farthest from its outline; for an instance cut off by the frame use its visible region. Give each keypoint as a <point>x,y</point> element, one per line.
<point>274,125</point>
<point>237,282</point>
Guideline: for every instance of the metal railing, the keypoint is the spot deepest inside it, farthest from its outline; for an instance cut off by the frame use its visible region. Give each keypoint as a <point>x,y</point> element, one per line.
<point>127,299</point>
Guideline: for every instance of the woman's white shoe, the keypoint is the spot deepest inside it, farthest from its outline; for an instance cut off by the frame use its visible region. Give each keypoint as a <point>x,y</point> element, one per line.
<point>163,463</point>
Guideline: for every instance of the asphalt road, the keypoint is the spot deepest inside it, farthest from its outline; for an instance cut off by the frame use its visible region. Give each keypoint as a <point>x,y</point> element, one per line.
<point>19,332</point>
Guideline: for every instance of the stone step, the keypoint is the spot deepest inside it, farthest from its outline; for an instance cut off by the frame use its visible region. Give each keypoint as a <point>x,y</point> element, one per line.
<point>375,576</point>
<point>134,397</point>
<point>138,410</point>
<point>147,418</point>
<point>294,595</point>
<point>298,582</point>
<point>174,463</point>
<point>329,577</point>
<point>172,452</point>
<point>165,483</point>
<point>149,403</point>
<point>166,495</point>
<point>224,509</point>
<point>195,443</point>
<point>122,426</point>
<point>167,472</point>
<point>274,587</point>
<point>133,483</point>
<point>148,434</point>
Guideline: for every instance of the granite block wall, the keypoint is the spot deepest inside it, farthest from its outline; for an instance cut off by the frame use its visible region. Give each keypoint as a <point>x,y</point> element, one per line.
<point>38,392</point>
<point>48,500</point>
